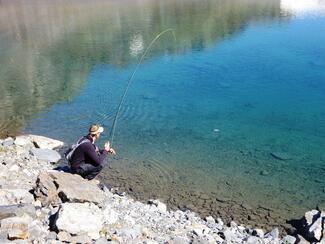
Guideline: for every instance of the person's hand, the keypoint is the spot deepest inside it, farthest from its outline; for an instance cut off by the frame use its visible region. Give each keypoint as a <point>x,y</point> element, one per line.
<point>109,149</point>
<point>107,146</point>
<point>112,151</point>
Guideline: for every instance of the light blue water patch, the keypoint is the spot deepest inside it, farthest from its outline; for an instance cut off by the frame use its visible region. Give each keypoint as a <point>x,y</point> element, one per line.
<point>219,113</point>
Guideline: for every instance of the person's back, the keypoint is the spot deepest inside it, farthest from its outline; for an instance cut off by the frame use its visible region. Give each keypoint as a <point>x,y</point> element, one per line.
<point>87,160</point>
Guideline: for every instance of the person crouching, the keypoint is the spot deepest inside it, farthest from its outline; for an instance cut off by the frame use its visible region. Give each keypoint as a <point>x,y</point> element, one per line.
<point>87,159</point>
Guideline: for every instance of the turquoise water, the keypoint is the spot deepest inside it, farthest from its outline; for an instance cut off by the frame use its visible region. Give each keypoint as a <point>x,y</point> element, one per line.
<point>207,118</point>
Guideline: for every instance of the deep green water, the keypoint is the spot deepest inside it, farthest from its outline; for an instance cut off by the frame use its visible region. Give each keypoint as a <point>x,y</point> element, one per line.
<point>205,114</point>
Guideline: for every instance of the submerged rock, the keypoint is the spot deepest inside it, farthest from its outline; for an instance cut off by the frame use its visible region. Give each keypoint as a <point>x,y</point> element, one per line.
<point>281,156</point>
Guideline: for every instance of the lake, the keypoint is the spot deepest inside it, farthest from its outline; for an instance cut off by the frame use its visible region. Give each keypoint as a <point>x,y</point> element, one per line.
<point>225,115</point>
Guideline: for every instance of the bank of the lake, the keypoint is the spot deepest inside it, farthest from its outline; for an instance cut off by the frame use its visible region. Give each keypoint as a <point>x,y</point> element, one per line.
<point>42,205</point>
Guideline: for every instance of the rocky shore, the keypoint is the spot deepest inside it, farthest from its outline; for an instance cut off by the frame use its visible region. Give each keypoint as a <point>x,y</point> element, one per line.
<point>41,205</point>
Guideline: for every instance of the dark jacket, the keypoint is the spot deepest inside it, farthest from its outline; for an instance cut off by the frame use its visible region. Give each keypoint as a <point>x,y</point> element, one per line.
<point>87,153</point>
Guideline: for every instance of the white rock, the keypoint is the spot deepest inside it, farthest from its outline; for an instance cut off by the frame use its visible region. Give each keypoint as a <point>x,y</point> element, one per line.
<point>229,235</point>
<point>274,234</point>
<point>45,143</point>
<point>219,221</point>
<point>259,232</point>
<point>210,220</point>
<point>110,216</point>
<point>316,229</point>
<point>130,233</point>
<point>254,240</point>
<point>80,218</point>
<point>14,168</point>
<point>15,196</point>
<point>310,215</point>
<point>23,140</point>
<point>289,240</point>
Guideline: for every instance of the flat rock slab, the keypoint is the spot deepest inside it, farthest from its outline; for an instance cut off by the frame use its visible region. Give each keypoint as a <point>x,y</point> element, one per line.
<point>47,155</point>
<point>39,141</point>
<point>281,156</point>
<point>17,210</point>
<point>74,188</point>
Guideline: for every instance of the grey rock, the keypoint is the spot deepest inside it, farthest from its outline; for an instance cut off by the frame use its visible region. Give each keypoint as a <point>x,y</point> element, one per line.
<point>74,188</point>
<point>51,236</point>
<point>54,187</point>
<point>36,230</point>
<point>46,191</point>
<point>80,218</point>
<point>289,240</point>
<point>47,155</point>
<point>8,142</point>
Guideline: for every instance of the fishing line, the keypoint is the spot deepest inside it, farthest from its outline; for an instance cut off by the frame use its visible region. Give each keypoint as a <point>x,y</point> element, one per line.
<point>112,133</point>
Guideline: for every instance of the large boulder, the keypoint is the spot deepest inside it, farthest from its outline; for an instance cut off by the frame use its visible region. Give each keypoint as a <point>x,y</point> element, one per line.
<point>79,219</point>
<point>52,185</point>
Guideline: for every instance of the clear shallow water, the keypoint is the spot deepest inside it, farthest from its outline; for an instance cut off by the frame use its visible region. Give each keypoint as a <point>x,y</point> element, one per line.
<point>205,113</point>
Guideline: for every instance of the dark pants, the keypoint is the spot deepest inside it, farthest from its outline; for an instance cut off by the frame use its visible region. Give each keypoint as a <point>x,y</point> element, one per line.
<point>88,171</point>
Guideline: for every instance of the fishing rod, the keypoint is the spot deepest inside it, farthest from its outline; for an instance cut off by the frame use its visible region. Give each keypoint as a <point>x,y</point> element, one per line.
<point>112,132</point>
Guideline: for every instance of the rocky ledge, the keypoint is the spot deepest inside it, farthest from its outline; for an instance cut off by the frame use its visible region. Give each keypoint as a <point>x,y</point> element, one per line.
<point>42,205</point>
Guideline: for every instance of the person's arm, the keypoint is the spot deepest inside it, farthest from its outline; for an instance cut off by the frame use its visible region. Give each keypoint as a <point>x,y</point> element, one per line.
<point>93,155</point>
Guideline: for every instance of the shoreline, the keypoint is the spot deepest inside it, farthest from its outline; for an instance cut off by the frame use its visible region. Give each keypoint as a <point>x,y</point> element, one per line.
<point>33,194</point>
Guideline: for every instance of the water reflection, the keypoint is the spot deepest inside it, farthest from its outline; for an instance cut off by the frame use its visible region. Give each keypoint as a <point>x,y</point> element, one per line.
<point>303,7</point>
<point>47,48</point>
